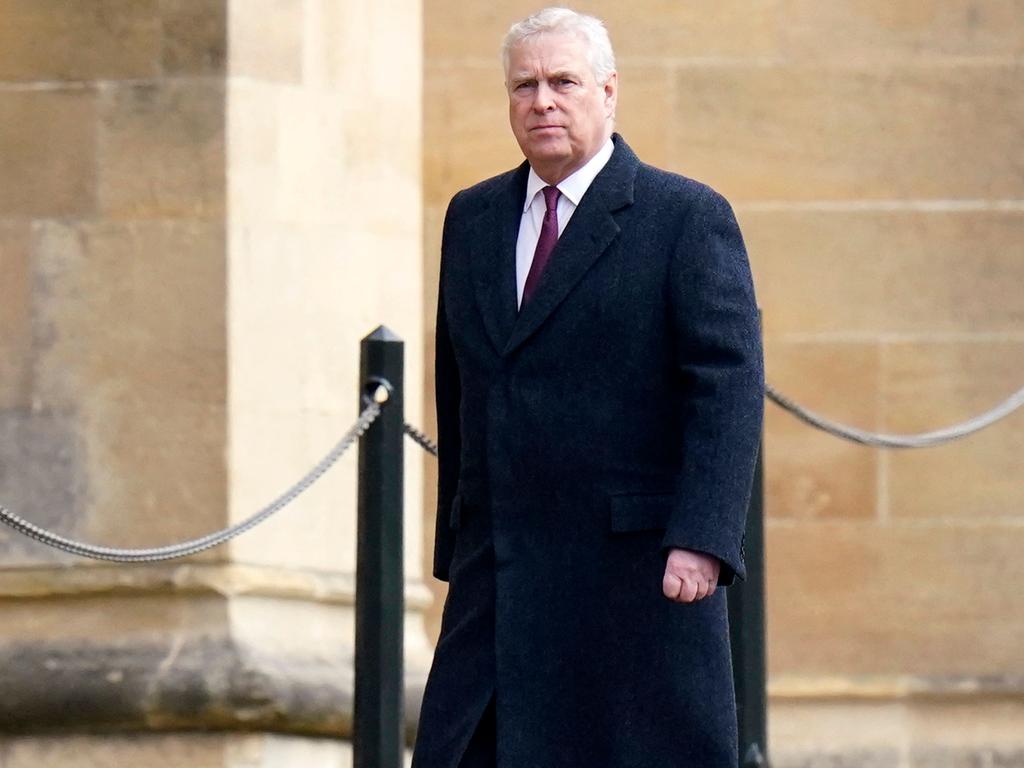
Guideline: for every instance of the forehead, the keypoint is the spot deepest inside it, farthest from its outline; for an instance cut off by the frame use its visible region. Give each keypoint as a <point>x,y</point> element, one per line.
<point>548,52</point>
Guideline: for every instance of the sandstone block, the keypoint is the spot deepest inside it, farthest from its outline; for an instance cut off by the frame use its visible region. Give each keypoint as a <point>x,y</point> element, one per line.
<point>855,599</point>
<point>876,271</point>
<point>800,132</point>
<point>809,474</point>
<point>266,39</point>
<point>162,150</point>
<point>833,758</point>
<point>817,272</point>
<point>668,30</point>
<point>644,112</point>
<point>100,39</point>
<point>43,478</point>
<point>875,29</point>
<point>938,757</point>
<point>933,385</point>
<point>194,36</point>
<point>956,272</point>
<point>47,152</point>
<point>466,140</point>
<point>177,750</point>
<point>132,341</point>
<point>660,29</point>
<point>15,315</point>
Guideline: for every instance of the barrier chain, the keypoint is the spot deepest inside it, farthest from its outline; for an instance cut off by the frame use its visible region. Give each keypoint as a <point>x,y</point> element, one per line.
<point>882,440</point>
<point>373,410</point>
<point>186,548</point>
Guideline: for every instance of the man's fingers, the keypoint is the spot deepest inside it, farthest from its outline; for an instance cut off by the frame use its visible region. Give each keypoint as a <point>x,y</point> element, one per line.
<point>688,592</point>
<point>702,589</point>
<point>689,586</point>
<point>670,585</point>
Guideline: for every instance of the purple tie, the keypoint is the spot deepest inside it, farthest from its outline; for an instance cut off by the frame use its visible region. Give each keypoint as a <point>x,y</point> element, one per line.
<point>545,243</point>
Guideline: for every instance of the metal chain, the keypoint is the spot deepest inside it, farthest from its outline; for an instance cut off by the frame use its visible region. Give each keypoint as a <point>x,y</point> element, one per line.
<point>183,549</point>
<point>373,410</point>
<point>421,439</point>
<point>863,437</point>
<point>881,440</point>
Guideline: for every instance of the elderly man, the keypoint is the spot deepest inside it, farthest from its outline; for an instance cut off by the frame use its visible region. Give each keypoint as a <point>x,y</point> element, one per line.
<point>599,400</point>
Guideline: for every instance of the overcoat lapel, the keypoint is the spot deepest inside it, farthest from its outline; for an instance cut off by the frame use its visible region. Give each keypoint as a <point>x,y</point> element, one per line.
<point>584,239</point>
<point>493,252</point>
<point>587,235</point>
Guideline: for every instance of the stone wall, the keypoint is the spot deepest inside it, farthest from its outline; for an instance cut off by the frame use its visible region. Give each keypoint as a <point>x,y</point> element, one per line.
<point>874,155</point>
<point>204,205</point>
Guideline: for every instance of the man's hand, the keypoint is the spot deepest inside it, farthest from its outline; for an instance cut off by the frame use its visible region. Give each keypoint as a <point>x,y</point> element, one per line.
<point>689,576</point>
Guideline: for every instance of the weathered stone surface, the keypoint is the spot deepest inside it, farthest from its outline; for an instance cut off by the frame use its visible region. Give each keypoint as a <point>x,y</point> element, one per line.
<point>643,113</point>
<point>809,474</point>
<point>980,729</point>
<point>464,144</point>
<point>658,29</point>
<point>168,750</point>
<point>802,132</point>
<point>173,663</point>
<point>928,386</point>
<point>944,729</point>
<point>162,150</point>
<point>266,39</point>
<point>880,758</point>
<point>195,36</point>
<point>99,39</point>
<point>979,757</point>
<point>866,599</point>
<point>877,29</point>
<point>876,271</point>
<point>130,341</point>
<point>43,466</point>
<point>47,152</point>
<point>15,314</point>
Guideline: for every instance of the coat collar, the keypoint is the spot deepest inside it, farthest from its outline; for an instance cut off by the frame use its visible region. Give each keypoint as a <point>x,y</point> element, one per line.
<point>586,237</point>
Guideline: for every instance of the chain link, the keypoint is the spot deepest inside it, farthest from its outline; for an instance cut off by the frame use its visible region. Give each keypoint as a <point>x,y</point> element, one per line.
<point>421,439</point>
<point>186,548</point>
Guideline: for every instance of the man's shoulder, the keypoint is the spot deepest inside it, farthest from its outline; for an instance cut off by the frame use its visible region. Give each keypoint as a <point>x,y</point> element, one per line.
<point>482,195</point>
<point>658,184</point>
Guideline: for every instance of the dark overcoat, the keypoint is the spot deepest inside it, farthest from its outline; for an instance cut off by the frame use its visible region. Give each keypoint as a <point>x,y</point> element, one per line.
<point>617,415</point>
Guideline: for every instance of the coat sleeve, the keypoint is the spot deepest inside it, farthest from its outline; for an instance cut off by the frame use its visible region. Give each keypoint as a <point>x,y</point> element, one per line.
<point>447,394</point>
<point>718,356</point>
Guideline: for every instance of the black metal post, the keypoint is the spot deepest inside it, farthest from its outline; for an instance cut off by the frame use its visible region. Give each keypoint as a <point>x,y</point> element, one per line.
<point>747,634</point>
<point>380,598</point>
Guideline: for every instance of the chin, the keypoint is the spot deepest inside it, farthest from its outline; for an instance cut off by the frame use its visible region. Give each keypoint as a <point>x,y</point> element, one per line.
<point>549,150</point>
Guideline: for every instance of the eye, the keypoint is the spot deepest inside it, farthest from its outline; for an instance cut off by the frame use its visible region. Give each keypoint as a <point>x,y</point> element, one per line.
<point>525,85</point>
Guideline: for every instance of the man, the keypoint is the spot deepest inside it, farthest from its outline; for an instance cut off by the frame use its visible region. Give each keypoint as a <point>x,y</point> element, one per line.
<point>599,398</point>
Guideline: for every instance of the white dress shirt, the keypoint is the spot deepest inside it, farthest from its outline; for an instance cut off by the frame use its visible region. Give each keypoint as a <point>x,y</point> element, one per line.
<point>572,188</point>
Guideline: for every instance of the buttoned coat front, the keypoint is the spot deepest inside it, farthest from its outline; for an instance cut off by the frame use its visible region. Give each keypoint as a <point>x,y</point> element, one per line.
<point>617,415</point>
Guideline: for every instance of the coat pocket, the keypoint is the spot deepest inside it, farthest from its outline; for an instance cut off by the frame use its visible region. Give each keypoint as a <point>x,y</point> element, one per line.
<point>455,513</point>
<point>640,511</point>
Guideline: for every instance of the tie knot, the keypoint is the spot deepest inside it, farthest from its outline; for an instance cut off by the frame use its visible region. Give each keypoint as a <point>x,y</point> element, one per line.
<point>551,197</point>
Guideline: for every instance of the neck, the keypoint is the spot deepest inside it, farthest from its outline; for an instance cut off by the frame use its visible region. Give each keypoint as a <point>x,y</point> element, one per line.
<point>555,173</point>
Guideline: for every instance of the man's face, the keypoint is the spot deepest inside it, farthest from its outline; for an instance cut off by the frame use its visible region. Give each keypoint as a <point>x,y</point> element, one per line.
<point>560,115</point>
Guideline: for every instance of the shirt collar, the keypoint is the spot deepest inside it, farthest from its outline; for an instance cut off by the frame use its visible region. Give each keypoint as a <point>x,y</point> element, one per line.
<point>575,185</point>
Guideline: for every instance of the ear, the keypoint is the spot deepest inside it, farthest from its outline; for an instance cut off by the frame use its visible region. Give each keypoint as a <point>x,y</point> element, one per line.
<point>611,94</point>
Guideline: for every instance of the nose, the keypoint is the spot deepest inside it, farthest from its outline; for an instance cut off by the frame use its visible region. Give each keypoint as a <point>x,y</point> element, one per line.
<point>543,98</point>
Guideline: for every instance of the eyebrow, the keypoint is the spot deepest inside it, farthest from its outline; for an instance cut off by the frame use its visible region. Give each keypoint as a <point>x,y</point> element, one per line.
<point>525,77</point>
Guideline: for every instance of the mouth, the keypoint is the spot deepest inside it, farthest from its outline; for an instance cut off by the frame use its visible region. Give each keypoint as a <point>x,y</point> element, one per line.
<point>547,128</point>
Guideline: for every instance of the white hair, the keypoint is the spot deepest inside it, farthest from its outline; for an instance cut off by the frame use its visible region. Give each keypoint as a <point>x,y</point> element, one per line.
<point>589,29</point>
